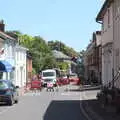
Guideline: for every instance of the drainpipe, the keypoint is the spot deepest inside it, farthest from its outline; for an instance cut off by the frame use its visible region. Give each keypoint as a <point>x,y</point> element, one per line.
<point>113,49</point>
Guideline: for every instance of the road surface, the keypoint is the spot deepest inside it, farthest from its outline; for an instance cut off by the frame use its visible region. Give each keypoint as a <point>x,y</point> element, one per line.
<point>61,105</point>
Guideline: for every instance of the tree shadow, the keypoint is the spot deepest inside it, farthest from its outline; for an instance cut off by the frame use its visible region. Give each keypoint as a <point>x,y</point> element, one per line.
<point>64,110</point>
<point>71,110</point>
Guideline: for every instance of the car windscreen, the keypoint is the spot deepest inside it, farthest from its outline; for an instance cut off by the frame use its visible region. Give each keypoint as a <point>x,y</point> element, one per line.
<point>48,74</point>
<point>3,85</point>
<point>73,75</point>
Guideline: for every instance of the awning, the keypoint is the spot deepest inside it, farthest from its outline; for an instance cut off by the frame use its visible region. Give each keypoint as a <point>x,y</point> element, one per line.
<point>5,66</point>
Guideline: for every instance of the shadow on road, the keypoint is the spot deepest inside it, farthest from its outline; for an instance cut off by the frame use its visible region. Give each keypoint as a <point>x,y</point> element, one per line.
<point>70,110</point>
<point>64,110</point>
<point>84,89</point>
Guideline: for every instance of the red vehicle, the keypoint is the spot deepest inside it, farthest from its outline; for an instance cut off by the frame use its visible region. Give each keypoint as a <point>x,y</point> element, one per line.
<point>73,78</point>
<point>36,84</point>
<point>63,80</point>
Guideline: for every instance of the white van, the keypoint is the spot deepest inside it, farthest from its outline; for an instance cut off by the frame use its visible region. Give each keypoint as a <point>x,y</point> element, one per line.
<point>49,75</point>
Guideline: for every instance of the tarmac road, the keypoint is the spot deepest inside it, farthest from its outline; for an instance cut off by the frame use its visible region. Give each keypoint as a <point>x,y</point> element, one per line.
<point>61,105</point>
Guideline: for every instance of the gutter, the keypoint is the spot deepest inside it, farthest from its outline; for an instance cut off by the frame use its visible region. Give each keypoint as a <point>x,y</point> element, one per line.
<point>102,11</point>
<point>99,22</point>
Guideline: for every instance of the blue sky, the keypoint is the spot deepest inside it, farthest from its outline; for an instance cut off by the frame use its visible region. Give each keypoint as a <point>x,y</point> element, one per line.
<point>70,21</point>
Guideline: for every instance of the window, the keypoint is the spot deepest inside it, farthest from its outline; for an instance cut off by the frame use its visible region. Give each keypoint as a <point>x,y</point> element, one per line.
<point>1,75</point>
<point>3,85</point>
<point>117,59</point>
<point>108,17</point>
<point>17,56</point>
<point>46,74</point>
<point>12,75</point>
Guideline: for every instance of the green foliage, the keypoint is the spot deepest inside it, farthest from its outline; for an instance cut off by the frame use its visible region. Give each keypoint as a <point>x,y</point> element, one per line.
<point>33,71</point>
<point>41,53</point>
<point>80,65</point>
<point>63,65</point>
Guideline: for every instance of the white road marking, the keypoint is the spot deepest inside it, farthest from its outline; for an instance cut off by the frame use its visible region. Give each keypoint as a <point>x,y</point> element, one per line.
<point>32,94</point>
<point>68,94</point>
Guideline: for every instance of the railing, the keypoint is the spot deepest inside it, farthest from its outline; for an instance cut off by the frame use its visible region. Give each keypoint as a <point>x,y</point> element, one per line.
<point>111,83</point>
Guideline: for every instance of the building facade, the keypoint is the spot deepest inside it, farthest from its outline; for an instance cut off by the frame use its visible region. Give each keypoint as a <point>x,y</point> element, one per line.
<point>7,54</point>
<point>12,58</point>
<point>92,60</point>
<point>105,18</point>
<point>116,32</point>
<point>29,67</point>
<point>20,66</point>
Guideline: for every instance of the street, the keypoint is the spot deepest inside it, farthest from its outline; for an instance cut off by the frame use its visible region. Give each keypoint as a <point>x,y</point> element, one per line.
<point>61,105</point>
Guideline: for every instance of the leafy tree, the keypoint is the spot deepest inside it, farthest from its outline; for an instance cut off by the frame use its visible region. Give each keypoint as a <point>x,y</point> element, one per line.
<point>41,53</point>
<point>80,65</point>
<point>63,65</point>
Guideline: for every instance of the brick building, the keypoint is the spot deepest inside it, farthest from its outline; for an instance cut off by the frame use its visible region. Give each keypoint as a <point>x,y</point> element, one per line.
<point>93,59</point>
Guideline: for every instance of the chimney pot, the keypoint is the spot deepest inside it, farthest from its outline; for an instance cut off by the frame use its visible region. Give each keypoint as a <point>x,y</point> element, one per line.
<point>2,26</point>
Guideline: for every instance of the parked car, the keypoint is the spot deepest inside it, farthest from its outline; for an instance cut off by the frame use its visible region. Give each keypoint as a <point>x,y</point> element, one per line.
<point>8,92</point>
<point>36,84</point>
<point>63,80</point>
<point>73,78</point>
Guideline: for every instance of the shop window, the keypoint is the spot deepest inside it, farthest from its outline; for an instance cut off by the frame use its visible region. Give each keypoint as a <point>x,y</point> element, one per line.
<point>1,75</point>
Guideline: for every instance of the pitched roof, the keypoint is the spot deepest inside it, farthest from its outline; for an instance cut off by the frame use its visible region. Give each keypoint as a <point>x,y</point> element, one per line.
<point>106,4</point>
<point>5,36</point>
<point>60,55</point>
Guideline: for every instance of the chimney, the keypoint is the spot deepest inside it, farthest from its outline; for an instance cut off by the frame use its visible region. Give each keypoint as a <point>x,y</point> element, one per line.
<point>2,26</point>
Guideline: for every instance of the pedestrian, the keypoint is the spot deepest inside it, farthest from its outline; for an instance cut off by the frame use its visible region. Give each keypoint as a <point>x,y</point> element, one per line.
<point>67,82</point>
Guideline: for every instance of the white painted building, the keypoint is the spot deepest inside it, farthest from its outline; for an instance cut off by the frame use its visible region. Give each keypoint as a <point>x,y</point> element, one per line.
<point>20,66</point>
<point>7,56</point>
<point>12,59</point>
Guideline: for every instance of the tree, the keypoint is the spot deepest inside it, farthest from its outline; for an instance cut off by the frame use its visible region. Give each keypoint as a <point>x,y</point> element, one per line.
<point>80,65</point>
<point>63,65</point>
<point>41,53</point>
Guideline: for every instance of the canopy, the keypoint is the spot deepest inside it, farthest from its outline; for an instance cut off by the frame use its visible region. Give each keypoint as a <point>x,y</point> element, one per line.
<point>5,66</point>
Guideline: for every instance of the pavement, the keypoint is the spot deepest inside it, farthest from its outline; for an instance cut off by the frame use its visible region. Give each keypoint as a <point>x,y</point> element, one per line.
<point>94,108</point>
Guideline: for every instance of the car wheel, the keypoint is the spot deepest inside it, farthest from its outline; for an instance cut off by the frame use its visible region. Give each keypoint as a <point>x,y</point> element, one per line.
<point>16,101</point>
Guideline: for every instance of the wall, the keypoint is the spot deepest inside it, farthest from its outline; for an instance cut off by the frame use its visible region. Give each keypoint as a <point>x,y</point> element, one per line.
<point>107,46</point>
<point>107,29</point>
<point>20,66</point>
<point>98,39</point>
<point>117,39</point>
<point>29,69</point>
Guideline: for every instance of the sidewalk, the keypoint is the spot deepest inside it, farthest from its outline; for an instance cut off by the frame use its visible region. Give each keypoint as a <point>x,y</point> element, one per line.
<point>84,87</point>
<point>96,111</point>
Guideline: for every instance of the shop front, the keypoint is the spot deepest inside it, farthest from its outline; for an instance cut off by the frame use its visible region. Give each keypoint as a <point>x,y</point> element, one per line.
<point>6,70</point>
